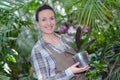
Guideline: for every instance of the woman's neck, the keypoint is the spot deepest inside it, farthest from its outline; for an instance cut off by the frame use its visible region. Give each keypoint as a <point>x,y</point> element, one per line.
<point>50,38</point>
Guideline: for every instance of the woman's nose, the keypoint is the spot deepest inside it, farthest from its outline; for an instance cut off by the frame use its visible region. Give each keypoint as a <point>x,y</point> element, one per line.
<point>48,22</point>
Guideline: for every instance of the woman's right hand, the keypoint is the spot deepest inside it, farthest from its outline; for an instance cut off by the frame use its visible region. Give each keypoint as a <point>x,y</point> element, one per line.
<point>75,69</point>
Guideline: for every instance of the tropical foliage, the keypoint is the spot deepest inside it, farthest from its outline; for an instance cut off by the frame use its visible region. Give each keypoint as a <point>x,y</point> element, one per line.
<point>18,34</point>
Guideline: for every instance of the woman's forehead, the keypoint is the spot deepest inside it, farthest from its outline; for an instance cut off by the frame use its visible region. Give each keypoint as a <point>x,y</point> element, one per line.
<point>46,13</point>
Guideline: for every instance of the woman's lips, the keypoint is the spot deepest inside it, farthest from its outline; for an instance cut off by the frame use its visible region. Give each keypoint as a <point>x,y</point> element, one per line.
<point>49,27</point>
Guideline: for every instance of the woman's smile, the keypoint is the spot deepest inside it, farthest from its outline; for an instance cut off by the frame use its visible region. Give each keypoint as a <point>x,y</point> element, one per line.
<point>47,21</point>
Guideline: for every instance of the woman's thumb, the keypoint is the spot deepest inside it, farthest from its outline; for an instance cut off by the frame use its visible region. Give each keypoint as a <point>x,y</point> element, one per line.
<point>76,64</point>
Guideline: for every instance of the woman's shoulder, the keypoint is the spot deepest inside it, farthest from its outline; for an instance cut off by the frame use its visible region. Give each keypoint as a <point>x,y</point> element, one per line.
<point>37,45</point>
<point>36,48</point>
<point>39,49</point>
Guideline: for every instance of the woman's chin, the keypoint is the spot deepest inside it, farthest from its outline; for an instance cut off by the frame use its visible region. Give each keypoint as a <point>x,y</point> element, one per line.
<point>49,32</point>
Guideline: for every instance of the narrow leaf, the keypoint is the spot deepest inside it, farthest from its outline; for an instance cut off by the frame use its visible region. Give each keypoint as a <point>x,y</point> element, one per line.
<point>78,37</point>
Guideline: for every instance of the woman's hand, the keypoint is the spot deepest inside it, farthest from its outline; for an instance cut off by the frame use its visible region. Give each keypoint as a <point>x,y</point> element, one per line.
<point>76,69</point>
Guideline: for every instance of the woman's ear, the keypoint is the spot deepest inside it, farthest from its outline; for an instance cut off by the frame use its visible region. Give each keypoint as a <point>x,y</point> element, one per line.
<point>37,26</point>
<point>37,23</point>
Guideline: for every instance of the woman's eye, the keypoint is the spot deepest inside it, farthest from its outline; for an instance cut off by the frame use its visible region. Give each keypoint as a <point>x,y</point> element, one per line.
<point>52,18</point>
<point>43,19</point>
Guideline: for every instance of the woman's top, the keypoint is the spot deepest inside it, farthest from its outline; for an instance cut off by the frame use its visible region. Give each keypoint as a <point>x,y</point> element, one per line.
<point>44,63</point>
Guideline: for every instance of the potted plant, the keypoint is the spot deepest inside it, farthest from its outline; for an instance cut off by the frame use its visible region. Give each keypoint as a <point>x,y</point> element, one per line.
<point>82,55</point>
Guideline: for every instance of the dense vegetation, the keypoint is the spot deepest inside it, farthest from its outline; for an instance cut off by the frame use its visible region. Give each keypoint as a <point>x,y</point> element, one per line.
<point>18,34</point>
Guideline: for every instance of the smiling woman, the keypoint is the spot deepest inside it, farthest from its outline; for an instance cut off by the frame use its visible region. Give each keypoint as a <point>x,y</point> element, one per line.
<point>46,21</point>
<point>50,57</point>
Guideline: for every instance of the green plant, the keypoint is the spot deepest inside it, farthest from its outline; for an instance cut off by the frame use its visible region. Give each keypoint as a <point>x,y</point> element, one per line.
<point>103,17</point>
<point>14,19</point>
<point>78,39</point>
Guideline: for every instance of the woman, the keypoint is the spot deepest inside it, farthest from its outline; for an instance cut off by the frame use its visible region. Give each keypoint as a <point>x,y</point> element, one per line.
<point>50,57</point>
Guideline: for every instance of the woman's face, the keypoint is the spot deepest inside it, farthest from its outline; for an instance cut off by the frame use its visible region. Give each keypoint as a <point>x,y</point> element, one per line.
<point>47,21</point>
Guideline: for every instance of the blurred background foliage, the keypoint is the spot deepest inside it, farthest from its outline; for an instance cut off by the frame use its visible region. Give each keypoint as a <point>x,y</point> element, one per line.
<point>18,35</point>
